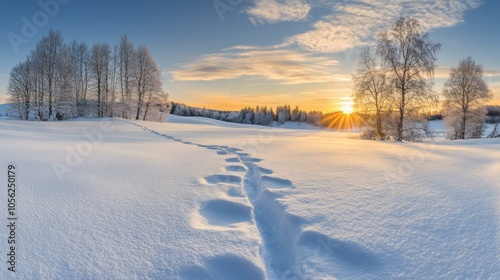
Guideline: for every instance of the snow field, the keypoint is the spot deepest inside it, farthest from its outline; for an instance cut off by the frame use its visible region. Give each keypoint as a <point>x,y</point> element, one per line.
<point>201,199</point>
<point>120,214</point>
<point>364,209</point>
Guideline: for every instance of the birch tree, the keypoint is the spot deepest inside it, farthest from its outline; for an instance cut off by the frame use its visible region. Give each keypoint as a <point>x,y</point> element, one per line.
<point>410,57</point>
<point>373,96</point>
<point>99,63</point>
<point>466,95</point>
<point>20,89</point>
<point>147,80</point>
<point>126,64</point>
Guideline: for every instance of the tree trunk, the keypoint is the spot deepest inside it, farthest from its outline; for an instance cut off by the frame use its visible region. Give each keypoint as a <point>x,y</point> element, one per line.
<point>146,111</point>
<point>399,136</point>
<point>379,129</point>
<point>138,112</point>
<point>463,127</point>
<point>98,97</point>
<point>50,98</point>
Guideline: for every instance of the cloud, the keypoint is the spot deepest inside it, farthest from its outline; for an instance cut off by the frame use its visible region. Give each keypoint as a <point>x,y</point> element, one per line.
<point>351,24</point>
<point>302,58</point>
<point>282,65</point>
<point>491,73</point>
<point>273,11</point>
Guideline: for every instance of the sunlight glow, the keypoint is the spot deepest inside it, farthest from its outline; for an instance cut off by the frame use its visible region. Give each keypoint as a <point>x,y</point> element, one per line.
<point>341,121</point>
<point>345,119</point>
<point>346,105</point>
<point>347,109</point>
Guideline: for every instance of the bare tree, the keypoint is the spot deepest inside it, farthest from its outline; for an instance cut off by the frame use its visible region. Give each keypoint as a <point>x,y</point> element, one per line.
<point>466,96</point>
<point>147,80</point>
<point>373,95</point>
<point>156,107</point>
<point>99,63</point>
<point>64,95</point>
<point>20,89</point>
<point>80,56</point>
<point>410,56</point>
<point>35,63</point>
<point>127,58</point>
<point>113,79</point>
<point>58,80</point>
<point>48,50</point>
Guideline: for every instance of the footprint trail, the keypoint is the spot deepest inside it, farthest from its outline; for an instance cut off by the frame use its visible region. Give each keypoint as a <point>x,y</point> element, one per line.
<point>279,230</point>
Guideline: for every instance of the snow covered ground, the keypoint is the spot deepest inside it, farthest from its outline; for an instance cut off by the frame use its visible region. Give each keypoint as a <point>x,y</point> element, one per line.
<point>4,110</point>
<point>201,199</point>
<point>440,131</point>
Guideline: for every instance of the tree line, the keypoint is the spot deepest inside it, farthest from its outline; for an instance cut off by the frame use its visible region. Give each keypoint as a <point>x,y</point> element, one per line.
<point>393,87</point>
<point>60,81</point>
<point>493,114</point>
<point>260,115</point>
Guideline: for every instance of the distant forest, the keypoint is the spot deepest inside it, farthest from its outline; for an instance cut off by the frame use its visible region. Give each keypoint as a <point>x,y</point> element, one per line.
<point>267,116</point>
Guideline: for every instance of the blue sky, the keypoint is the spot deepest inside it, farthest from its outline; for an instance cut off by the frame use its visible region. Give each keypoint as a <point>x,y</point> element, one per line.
<point>232,53</point>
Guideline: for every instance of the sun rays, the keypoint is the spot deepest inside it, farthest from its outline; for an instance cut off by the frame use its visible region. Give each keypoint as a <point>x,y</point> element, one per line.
<point>340,120</point>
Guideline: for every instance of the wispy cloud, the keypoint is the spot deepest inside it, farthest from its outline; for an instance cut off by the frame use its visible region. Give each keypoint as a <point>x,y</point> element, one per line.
<point>355,23</point>
<point>304,58</point>
<point>281,65</point>
<point>273,11</point>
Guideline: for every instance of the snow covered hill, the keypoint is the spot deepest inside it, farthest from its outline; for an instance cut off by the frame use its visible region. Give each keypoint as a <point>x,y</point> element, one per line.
<point>198,199</point>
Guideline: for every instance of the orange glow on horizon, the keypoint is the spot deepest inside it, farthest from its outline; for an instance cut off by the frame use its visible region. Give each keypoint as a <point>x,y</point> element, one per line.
<point>341,121</point>
<point>236,105</point>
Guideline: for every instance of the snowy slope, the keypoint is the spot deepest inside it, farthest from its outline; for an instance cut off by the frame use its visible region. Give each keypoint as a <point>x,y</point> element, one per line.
<point>192,199</point>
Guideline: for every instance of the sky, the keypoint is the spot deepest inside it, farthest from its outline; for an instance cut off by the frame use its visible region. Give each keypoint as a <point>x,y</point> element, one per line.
<point>227,54</point>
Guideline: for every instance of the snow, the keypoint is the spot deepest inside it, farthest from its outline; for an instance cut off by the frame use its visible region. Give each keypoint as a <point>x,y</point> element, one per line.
<point>440,131</point>
<point>4,110</point>
<point>202,199</point>
<point>295,125</point>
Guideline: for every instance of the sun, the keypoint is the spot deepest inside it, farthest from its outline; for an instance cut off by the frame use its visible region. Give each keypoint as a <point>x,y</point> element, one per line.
<point>347,108</point>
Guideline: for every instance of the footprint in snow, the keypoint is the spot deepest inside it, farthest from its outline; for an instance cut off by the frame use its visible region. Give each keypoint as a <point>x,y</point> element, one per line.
<point>225,267</point>
<point>235,168</point>
<point>223,179</point>
<point>274,182</point>
<point>232,160</point>
<point>263,170</point>
<point>249,159</point>
<point>235,192</point>
<point>221,212</point>
<point>213,147</point>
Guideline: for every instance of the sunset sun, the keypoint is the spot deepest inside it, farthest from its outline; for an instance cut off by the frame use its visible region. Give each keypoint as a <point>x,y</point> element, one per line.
<point>347,109</point>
